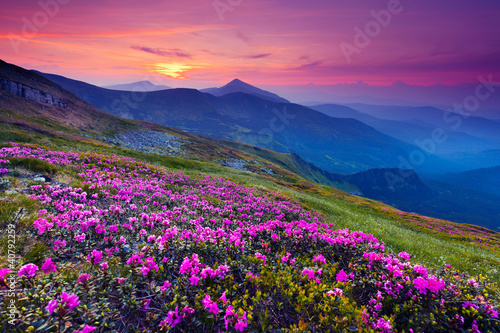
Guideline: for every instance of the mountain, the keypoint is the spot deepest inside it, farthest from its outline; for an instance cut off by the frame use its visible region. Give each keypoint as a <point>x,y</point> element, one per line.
<point>333,144</point>
<point>138,86</point>
<point>485,179</point>
<point>482,128</point>
<point>239,86</point>
<point>412,132</point>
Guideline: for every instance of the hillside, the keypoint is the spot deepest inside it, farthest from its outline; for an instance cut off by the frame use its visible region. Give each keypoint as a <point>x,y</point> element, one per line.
<point>133,225</point>
<point>333,144</point>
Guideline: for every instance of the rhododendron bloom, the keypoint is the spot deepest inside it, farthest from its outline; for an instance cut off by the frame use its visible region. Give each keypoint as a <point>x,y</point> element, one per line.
<point>341,276</point>
<point>28,270</point>
<point>384,325</point>
<point>194,280</point>
<point>421,285</point>
<point>52,306</point>
<point>83,278</point>
<point>3,272</point>
<point>145,304</point>
<point>95,256</point>
<point>121,280</point>
<point>223,298</point>
<point>335,292</point>
<point>48,266</point>
<point>404,255</point>
<point>320,258</point>
<point>210,305</point>
<point>71,300</point>
<point>165,286</point>
<point>87,329</point>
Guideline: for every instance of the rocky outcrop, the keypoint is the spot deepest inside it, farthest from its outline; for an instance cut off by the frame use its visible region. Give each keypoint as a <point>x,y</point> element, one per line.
<point>31,94</point>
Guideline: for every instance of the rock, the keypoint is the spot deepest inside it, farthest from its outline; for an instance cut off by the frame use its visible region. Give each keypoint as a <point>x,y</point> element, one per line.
<point>31,94</point>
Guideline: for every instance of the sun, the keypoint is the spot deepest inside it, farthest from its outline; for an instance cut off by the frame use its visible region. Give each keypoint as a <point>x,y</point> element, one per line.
<point>174,70</point>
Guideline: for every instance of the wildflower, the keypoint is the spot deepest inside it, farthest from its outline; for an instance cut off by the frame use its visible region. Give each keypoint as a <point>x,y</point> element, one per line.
<point>83,278</point>
<point>336,292</point>
<point>341,276</point>
<point>42,225</point>
<point>210,305</point>
<point>241,324</point>
<point>228,316</point>
<point>28,270</point>
<point>261,256</point>
<point>48,266</point>
<point>80,238</point>
<point>52,306</point>
<point>319,258</point>
<point>384,325</point>
<point>87,329</point>
<point>121,280</point>
<point>95,256</point>
<point>104,265</point>
<point>434,284</point>
<point>145,304</point>
<point>3,272</point>
<point>420,270</point>
<point>421,285</point>
<point>71,300</point>
<point>223,298</point>
<point>165,286</point>
<point>404,255</point>
<point>194,280</point>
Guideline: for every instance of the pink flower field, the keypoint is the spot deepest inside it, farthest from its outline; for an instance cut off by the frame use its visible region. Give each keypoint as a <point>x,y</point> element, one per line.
<point>136,248</point>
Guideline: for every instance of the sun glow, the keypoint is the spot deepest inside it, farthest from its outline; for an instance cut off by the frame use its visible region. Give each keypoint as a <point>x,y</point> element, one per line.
<point>174,70</point>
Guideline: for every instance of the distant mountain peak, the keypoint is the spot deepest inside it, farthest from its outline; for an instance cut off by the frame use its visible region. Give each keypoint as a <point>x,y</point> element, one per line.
<point>144,85</point>
<point>238,85</point>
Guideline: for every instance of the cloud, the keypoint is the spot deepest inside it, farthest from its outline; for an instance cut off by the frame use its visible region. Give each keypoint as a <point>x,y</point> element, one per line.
<point>163,53</point>
<point>256,56</point>
<point>308,66</point>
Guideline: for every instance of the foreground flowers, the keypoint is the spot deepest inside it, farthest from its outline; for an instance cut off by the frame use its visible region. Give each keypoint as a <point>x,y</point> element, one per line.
<point>134,246</point>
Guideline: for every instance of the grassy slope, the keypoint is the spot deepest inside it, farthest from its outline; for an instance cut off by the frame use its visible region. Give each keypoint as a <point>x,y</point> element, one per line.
<point>400,231</point>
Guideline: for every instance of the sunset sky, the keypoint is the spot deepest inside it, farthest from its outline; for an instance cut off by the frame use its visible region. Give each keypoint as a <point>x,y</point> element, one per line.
<point>202,43</point>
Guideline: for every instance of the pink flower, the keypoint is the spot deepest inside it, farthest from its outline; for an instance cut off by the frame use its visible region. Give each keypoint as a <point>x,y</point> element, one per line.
<point>223,298</point>
<point>421,285</point>
<point>28,270</point>
<point>228,317</point>
<point>87,329</point>
<point>319,258</point>
<point>121,280</point>
<point>48,266</point>
<point>165,286</point>
<point>261,256</point>
<point>404,255</point>
<point>341,276</point>
<point>241,324</point>
<point>83,278</point>
<point>95,256</point>
<point>52,306</point>
<point>3,272</point>
<point>336,292</point>
<point>104,266</point>
<point>71,300</point>
<point>145,304</point>
<point>194,280</point>
<point>42,224</point>
<point>434,284</point>
<point>384,325</point>
<point>80,238</point>
<point>420,270</point>
<point>210,305</point>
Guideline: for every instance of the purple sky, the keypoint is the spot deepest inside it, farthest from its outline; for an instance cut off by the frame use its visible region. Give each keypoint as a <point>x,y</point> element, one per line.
<point>265,43</point>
